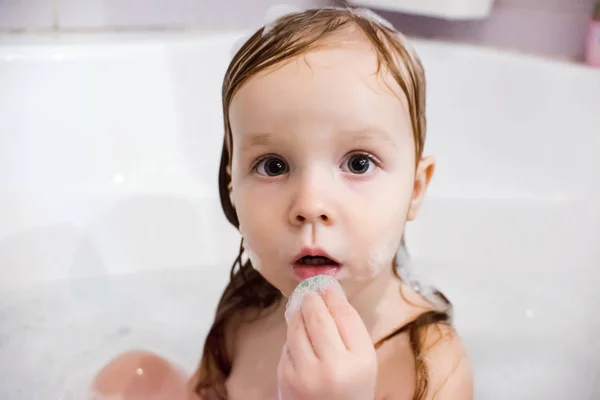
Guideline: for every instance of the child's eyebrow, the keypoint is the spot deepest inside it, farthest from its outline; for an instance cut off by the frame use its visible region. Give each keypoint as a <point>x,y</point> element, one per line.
<point>255,139</point>
<point>366,134</point>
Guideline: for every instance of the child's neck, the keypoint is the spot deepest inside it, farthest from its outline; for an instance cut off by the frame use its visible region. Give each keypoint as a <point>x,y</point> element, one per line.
<point>379,303</point>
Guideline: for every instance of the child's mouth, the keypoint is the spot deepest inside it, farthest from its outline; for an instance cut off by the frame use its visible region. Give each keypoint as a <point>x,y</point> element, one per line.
<point>315,261</point>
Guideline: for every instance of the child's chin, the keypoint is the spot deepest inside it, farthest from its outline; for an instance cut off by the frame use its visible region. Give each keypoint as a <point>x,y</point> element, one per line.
<point>287,289</point>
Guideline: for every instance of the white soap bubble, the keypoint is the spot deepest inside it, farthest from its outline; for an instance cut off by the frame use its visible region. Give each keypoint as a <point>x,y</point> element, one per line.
<point>316,284</point>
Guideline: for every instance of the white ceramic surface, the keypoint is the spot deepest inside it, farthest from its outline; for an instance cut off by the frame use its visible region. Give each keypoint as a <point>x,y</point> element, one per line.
<point>112,237</point>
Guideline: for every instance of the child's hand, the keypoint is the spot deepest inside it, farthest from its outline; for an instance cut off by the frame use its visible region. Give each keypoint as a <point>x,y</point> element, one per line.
<point>328,353</point>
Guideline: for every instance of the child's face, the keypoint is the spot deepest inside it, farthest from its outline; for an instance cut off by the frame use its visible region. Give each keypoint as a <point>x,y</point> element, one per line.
<point>323,157</point>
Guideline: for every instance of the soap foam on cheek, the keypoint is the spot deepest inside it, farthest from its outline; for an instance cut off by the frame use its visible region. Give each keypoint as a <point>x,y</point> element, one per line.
<point>252,257</point>
<point>380,256</point>
<point>316,284</point>
<point>248,252</point>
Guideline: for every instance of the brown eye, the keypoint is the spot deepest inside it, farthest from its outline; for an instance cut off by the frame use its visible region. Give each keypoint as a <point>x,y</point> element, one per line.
<point>359,164</point>
<point>272,166</point>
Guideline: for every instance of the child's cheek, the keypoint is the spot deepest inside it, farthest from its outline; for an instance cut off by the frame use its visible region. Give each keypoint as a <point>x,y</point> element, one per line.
<point>381,255</point>
<point>256,263</point>
<point>249,251</point>
<point>376,251</point>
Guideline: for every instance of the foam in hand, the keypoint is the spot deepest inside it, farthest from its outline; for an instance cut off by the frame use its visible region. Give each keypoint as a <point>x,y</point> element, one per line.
<point>316,284</point>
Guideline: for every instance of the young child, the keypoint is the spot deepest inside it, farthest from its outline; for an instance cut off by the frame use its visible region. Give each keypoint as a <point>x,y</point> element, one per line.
<point>321,168</point>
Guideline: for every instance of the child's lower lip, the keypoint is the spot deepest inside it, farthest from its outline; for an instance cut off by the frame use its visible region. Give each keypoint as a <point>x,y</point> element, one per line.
<point>305,272</point>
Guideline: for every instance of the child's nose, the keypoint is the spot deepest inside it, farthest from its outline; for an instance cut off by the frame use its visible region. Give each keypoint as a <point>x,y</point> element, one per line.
<point>310,204</point>
<point>309,216</point>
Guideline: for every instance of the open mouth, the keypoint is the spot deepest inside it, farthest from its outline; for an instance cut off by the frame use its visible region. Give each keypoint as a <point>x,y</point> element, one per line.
<point>316,261</point>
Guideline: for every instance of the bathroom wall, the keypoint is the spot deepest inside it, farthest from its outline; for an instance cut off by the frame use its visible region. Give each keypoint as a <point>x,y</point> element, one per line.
<point>99,14</point>
<point>549,27</point>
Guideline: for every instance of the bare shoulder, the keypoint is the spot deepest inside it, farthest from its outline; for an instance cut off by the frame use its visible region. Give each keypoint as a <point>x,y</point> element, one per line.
<point>448,365</point>
<point>250,326</point>
<point>257,345</point>
<point>245,325</point>
<point>238,332</point>
<point>450,375</point>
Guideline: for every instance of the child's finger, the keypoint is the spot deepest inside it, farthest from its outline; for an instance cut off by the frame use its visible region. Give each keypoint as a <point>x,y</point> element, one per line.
<point>321,328</point>
<point>286,374</point>
<point>350,326</point>
<point>286,363</point>
<point>286,355</point>
<point>298,343</point>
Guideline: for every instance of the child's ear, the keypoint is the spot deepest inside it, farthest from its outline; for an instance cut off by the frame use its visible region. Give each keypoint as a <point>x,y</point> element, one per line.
<point>423,176</point>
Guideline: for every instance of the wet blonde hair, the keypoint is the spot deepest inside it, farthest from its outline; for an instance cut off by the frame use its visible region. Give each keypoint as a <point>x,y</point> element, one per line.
<point>286,38</point>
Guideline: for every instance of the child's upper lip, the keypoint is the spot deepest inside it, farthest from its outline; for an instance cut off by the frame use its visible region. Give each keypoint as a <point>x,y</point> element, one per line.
<point>314,252</point>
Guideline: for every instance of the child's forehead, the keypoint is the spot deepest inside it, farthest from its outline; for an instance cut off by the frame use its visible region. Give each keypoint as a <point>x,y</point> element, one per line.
<point>347,57</point>
<point>339,85</point>
<point>332,94</point>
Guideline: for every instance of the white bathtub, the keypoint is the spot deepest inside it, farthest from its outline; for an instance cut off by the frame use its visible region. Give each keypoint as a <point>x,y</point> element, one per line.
<point>112,237</point>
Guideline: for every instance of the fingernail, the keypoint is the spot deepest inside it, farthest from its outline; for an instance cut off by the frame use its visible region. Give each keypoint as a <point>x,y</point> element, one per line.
<point>316,284</point>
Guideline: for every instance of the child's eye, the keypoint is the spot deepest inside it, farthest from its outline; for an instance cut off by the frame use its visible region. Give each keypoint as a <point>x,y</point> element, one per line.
<point>359,163</point>
<point>271,166</point>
